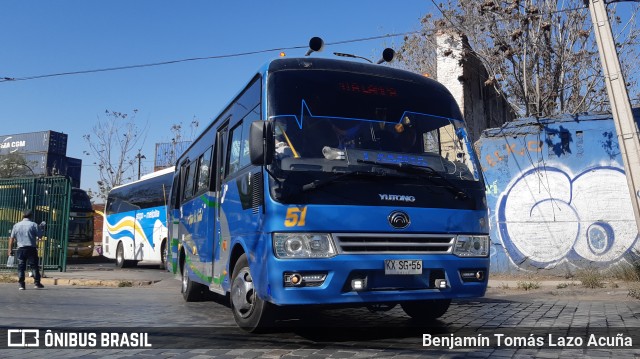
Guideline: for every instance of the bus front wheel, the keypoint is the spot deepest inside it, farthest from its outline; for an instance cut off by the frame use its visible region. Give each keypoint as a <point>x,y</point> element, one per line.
<point>250,312</point>
<point>191,291</point>
<point>426,309</point>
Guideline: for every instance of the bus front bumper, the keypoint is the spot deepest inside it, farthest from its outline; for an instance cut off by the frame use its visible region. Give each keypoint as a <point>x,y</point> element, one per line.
<point>361,279</point>
<point>79,250</point>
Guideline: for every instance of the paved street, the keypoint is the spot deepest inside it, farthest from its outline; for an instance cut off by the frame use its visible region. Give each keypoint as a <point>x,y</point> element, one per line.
<point>206,329</point>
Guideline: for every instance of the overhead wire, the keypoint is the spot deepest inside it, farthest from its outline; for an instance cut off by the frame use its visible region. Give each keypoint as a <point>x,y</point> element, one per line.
<point>248,53</point>
<point>214,57</point>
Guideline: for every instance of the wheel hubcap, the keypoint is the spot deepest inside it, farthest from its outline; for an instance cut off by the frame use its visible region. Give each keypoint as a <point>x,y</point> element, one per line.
<point>243,293</point>
<point>185,279</point>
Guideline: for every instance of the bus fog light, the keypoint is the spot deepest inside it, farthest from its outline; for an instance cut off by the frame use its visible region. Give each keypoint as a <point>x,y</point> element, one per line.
<point>304,279</point>
<point>359,284</point>
<point>441,283</point>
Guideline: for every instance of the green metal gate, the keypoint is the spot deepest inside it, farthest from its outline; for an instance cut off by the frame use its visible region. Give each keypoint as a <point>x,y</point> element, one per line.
<point>50,199</point>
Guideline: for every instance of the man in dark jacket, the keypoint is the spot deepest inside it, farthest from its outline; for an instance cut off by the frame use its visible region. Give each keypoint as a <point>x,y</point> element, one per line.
<point>26,234</point>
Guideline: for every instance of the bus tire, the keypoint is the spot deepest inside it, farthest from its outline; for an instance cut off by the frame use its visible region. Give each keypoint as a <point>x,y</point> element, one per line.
<point>191,291</point>
<point>163,255</point>
<point>426,309</point>
<point>120,262</point>
<point>250,312</point>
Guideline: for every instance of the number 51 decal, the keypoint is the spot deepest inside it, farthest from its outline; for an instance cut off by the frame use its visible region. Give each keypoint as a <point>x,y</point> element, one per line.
<point>295,217</point>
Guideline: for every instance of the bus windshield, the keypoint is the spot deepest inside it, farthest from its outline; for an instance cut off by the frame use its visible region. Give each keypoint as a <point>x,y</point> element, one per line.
<point>80,201</point>
<point>81,222</point>
<point>334,121</point>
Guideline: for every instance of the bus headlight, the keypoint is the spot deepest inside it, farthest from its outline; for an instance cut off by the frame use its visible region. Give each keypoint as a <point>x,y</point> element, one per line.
<point>471,246</point>
<point>303,245</point>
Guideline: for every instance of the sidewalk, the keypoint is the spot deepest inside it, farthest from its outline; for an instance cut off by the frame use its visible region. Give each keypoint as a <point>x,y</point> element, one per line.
<point>99,271</point>
<point>553,288</point>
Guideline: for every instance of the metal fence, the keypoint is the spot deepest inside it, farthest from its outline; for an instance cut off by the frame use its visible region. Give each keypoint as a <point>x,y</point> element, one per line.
<point>50,199</point>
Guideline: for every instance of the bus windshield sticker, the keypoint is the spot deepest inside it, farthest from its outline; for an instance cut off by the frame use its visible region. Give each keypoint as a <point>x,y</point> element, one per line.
<point>353,155</point>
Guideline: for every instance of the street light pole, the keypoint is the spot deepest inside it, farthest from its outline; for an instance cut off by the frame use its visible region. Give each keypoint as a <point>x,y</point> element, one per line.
<point>626,126</point>
<point>139,156</point>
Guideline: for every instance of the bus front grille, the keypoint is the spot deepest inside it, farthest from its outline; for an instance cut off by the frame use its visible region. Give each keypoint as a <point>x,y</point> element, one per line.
<point>394,243</point>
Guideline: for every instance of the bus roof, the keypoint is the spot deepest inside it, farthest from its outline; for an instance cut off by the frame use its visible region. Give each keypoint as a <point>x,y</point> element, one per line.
<point>307,63</point>
<point>158,173</point>
<point>149,176</point>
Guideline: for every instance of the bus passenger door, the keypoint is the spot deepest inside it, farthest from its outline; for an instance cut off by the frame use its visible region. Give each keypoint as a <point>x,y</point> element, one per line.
<point>138,240</point>
<point>173,221</point>
<point>221,237</point>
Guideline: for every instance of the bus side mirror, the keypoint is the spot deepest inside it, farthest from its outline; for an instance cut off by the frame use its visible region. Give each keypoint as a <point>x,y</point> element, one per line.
<point>261,145</point>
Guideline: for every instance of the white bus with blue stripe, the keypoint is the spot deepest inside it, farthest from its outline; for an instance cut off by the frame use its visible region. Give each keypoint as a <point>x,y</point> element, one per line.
<point>135,223</point>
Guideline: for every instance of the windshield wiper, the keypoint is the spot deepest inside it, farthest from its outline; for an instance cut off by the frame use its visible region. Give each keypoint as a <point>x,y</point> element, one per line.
<point>313,185</point>
<point>411,168</point>
<point>322,182</point>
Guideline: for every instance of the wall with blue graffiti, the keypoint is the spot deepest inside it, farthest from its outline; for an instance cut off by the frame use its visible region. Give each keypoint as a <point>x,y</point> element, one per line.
<point>558,195</point>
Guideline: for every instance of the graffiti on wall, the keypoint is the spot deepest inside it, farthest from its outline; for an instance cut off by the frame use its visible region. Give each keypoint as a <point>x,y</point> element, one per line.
<point>549,215</point>
<point>513,149</point>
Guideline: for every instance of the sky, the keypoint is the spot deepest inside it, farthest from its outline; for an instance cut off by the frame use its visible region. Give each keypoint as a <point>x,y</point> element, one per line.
<point>51,37</point>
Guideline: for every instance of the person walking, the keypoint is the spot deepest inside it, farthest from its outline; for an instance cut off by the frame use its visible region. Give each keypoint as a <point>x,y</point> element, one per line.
<point>26,233</point>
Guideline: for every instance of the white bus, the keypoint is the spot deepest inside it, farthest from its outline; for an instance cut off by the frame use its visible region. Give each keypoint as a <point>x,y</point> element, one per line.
<point>135,221</point>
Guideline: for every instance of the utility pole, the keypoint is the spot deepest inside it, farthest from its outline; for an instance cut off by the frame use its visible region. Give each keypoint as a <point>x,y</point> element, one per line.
<point>626,127</point>
<point>139,156</point>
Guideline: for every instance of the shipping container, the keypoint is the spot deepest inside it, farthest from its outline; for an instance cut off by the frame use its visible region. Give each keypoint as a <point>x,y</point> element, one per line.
<point>35,162</point>
<point>74,170</point>
<point>45,164</point>
<point>34,142</point>
<point>58,165</point>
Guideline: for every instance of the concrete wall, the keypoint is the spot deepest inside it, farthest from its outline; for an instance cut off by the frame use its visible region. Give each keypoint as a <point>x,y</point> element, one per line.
<point>465,76</point>
<point>557,195</point>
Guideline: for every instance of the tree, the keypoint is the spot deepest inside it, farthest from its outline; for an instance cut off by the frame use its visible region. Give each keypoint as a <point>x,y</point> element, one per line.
<point>418,52</point>
<point>114,144</point>
<point>177,130</point>
<point>540,54</point>
<point>181,140</point>
<point>15,165</point>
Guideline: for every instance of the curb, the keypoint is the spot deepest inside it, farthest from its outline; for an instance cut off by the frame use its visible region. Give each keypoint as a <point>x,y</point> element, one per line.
<point>96,282</point>
<point>91,282</point>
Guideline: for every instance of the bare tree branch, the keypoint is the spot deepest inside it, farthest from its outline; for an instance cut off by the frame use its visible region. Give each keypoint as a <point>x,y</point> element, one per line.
<point>112,143</point>
<point>539,54</point>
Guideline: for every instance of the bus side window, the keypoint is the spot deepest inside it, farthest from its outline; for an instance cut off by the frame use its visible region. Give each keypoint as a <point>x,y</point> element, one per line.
<point>221,154</point>
<point>189,180</point>
<point>204,173</point>
<point>254,115</point>
<point>235,149</point>
<point>174,199</point>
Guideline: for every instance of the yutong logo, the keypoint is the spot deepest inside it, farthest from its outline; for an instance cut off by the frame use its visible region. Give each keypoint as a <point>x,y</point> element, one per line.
<point>396,197</point>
